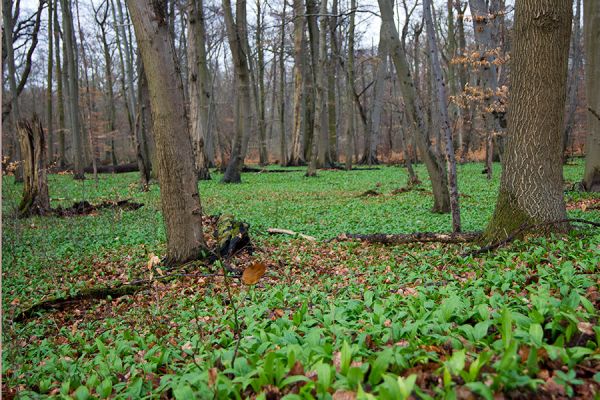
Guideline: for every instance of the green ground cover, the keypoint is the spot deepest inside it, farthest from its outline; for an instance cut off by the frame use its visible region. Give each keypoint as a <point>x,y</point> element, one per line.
<point>329,319</point>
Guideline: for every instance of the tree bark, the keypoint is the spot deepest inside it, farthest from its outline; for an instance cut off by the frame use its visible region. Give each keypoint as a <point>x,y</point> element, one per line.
<point>62,153</point>
<point>296,157</point>
<point>531,187</point>
<point>373,132</point>
<point>73,89</point>
<point>350,87</point>
<point>283,143</point>
<point>436,69</point>
<point>49,113</point>
<point>236,33</point>
<point>591,177</point>
<point>182,212</point>
<point>319,129</point>
<point>574,79</point>
<point>433,162</point>
<point>198,86</point>
<point>36,200</point>
<point>485,31</point>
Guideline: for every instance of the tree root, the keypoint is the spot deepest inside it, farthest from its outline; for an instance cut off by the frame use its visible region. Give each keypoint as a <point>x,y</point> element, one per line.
<point>522,230</point>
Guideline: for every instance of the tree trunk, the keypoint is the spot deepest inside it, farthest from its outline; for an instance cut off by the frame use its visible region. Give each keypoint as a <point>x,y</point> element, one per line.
<point>8,22</point>
<point>49,113</point>
<point>101,19</point>
<point>319,128</point>
<point>296,157</point>
<point>182,212</point>
<point>198,86</point>
<point>436,69</point>
<point>283,143</point>
<point>237,33</point>
<point>433,162</point>
<point>62,156</point>
<point>591,177</point>
<point>142,129</point>
<point>36,200</point>
<point>531,187</point>
<point>350,87</point>
<point>574,79</point>
<point>260,87</point>
<point>73,89</point>
<point>374,133</point>
<point>88,97</point>
<point>485,31</point>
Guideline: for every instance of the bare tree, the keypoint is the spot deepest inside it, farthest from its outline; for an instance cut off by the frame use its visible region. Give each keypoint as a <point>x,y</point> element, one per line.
<point>296,157</point>
<point>70,47</point>
<point>319,126</point>
<point>444,117</point>
<point>433,161</point>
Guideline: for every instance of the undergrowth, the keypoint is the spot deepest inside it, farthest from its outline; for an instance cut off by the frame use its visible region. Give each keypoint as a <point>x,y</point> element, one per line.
<point>327,320</point>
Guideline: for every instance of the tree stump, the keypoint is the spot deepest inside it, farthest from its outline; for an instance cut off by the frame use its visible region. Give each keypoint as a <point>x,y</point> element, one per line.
<point>36,200</point>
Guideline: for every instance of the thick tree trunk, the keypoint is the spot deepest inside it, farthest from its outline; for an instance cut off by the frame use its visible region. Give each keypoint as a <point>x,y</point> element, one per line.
<point>531,188</point>
<point>591,177</point>
<point>36,200</point>
<point>180,201</point>
<point>436,70</point>
<point>433,161</point>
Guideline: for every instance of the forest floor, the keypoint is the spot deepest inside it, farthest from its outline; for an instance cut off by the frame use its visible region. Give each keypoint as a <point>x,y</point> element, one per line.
<point>339,320</point>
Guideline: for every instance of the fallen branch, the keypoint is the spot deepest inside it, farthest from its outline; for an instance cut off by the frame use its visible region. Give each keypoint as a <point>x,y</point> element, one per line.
<point>102,292</point>
<point>404,238</point>
<point>517,233</point>
<point>58,303</point>
<point>275,231</point>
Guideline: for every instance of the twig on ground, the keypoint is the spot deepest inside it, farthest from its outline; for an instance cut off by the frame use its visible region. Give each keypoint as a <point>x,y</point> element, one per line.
<point>275,231</point>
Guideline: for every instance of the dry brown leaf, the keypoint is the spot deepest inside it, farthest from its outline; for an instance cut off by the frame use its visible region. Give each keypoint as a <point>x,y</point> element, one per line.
<point>586,327</point>
<point>253,273</point>
<point>344,395</point>
<point>152,260</point>
<point>212,376</point>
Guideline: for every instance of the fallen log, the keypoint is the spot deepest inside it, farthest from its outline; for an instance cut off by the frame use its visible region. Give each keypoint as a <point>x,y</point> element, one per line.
<point>404,238</point>
<point>57,303</point>
<point>277,231</point>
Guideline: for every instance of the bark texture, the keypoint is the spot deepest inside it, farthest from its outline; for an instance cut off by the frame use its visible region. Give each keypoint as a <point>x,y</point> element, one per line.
<point>236,32</point>
<point>531,188</point>
<point>180,201</point>
<point>591,178</point>
<point>432,160</point>
<point>36,200</point>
